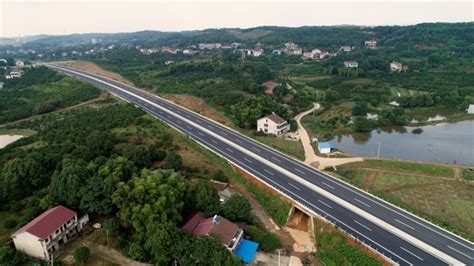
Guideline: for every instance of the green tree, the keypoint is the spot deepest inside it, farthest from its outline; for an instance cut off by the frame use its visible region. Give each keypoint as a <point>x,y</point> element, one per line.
<point>362,124</point>
<point>201,195</point>
<point>205,251</point>
<point>20,177</point>
<point>162,242</point>
<point>246,113</point>
<point>172,161</point>
<point>360,109</point>
<point>150,198</point>
<point>138,154</point>
<point>81,254</point>
<point>67,180</point>
<point>237,208</point>
<point>111,227</point>
<point>97,193</point>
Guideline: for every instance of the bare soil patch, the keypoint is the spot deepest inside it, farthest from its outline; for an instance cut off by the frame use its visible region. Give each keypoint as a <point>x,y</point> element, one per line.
<point>197,105</point>
<point>93,68</point>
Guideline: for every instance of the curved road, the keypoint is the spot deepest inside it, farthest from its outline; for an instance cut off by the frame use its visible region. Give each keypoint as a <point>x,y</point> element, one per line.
<point>400,236</point>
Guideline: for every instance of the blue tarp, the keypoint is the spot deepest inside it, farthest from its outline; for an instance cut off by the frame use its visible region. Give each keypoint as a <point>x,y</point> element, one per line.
<point>246,250</point>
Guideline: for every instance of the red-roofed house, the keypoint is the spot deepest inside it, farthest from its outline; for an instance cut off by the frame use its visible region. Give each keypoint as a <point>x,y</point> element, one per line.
<point>273,124</point>
<point>219,227</point>
<point>44,234</point>
<point>269,86</point>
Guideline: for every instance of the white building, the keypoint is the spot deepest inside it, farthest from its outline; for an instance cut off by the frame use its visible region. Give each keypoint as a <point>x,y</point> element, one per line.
<point>396,66</point>
<point>257,51</point>
<point>346,48</point>
<point>324,147</point>
<point>47,232</point>
<point>371,44</point>
<point>351,64</point>
<point>273,124</point>
<point>19,63</point>
<point>470,109</point>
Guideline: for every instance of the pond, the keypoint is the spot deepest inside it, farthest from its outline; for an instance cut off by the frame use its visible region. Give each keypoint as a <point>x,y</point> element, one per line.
<point>7,139</point>
<point>444,143</point>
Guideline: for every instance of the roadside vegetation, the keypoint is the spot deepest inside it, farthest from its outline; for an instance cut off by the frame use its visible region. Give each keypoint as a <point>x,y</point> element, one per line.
<point>334,249</point>
<point>429,190</point>
<point>40,91</point>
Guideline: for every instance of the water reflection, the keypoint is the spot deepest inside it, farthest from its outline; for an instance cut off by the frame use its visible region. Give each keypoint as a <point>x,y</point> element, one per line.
<point>447,143</point>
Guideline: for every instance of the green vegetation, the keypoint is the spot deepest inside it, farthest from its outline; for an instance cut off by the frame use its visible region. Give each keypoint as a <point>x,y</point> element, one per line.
<point>420,168</point>
<point>334,249</point>
<point>428,190</point>
<point>81,255</point>
<point>468,174</point>
<point>39,91</point>
<point>237,208</point>
<point>268,241</point>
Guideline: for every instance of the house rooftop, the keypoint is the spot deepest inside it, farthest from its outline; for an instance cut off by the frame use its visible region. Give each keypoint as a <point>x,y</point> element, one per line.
<point>275,118</point>
<point>270,84</point>
<point>324,145</point>
<point>48,222</point>
<point>217,226</point>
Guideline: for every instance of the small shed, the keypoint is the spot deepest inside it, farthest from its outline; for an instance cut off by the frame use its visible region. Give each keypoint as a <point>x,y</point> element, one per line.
<point>324,147</point>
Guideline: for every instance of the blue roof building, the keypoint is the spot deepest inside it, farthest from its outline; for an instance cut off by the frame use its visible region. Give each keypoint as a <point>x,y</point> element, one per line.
<point>324,147</point>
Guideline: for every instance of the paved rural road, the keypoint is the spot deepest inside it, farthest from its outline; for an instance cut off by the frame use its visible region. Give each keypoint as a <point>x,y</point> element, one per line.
<point>400,236</point>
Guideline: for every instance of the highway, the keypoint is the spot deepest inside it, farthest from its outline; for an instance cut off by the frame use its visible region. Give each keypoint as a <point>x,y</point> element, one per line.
<point>400,236</point>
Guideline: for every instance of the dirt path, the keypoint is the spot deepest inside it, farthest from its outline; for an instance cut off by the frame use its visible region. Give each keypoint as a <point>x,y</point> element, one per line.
<point>102,96</point>
<point>310,155</point>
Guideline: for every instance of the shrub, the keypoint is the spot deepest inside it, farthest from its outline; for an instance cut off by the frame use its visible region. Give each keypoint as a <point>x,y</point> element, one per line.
<point>9,223</point>
<point>220,176</point>
<point>237,208</point>
<point>81,255</point>
<point>269,242</point>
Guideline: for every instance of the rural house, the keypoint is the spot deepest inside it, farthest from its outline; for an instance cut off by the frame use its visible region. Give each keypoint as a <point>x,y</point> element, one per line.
<point>273,124</point>
<point>371,44</point>
<point>351,64</point>
<point>269,86</point>
<point>47,232</point>
<point>217,226</point>
<point>396,66</point>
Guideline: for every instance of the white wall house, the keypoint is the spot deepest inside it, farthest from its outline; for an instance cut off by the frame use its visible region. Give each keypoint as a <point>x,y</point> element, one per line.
<point>351,64</point>
<point>273,124</point>
<point>470,109</point>
<point>371,44</point>
<point>396,66</point>
<point>47,232</point>
<point>256,52</point>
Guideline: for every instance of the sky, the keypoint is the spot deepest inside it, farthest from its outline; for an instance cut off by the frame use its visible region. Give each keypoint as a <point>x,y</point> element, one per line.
<point>20,18</point>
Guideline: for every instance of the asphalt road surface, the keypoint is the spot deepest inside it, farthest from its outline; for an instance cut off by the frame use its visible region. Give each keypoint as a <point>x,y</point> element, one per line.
<point>400,236</point>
